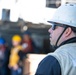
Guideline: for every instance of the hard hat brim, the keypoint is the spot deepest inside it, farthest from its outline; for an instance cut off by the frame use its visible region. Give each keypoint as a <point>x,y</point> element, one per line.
<point>61,22</point>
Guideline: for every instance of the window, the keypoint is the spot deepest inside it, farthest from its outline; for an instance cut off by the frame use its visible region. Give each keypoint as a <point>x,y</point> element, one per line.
<point>53,3</point>
<point>5,14</point>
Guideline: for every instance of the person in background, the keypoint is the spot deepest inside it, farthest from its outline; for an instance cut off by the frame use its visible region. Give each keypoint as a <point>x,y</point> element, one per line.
<point>15,55</point>
<point>27,43</point>
<point>4,56</point>
<point>63,38</point>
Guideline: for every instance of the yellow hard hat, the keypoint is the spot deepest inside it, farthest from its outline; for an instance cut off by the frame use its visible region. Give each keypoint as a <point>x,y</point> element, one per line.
<point>16,38</point>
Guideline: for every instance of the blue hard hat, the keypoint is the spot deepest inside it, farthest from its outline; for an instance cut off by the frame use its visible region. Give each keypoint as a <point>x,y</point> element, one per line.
<point>2,41</point>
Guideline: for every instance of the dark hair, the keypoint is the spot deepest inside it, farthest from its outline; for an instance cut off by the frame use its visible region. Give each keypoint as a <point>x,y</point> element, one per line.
<point>73,29</point>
